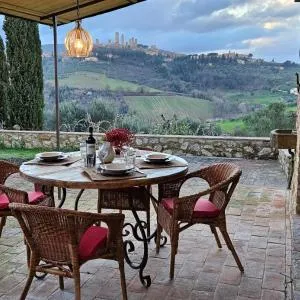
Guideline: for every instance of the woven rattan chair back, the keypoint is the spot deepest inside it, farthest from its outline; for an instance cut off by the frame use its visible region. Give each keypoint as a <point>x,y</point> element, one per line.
<point>7,169</point>
<point>222,179</point>
<point>47,231</point>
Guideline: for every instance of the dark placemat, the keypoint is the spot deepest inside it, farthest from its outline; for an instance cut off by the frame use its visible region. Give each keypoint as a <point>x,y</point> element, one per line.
<point>66,162</point>
<point>141,164</point>
<point>96,176</point>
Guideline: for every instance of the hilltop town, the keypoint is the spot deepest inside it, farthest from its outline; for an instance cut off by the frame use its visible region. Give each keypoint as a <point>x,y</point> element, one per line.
<point>120,42</point>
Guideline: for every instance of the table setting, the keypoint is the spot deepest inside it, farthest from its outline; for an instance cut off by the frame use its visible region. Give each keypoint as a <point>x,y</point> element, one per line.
<point>53,158</point>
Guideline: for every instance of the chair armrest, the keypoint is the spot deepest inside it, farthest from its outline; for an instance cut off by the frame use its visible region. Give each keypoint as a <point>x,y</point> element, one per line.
<point>184,206</point>
<point>14,195</point>
<point>172,189</point>
<point>7,169</point>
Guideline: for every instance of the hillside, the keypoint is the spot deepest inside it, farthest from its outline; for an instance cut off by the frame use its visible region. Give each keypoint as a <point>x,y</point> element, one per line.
<point>96,81</point>
<point>198,87</point>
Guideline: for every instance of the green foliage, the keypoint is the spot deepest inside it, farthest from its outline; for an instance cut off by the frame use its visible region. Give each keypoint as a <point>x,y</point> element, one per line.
<point>72,116</point>
<point>132,122</point>
<point>100,111</point>
<point>274,116</point>
<point>23,48</point>
<point>76,117</point>
<point>185,127</point>
<point>3,83</point>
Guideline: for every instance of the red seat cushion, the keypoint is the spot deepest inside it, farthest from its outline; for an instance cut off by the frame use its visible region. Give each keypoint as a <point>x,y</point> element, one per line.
<point>202,209</point>
<point>3,201</point>
<point>94,238</point>
<point>33,198</point>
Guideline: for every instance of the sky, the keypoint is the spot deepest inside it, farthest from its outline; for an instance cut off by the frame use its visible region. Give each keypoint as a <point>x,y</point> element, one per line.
<point>268,29</point>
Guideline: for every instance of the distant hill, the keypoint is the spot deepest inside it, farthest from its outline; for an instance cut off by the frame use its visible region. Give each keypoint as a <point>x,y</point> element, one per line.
<point>190,74</point>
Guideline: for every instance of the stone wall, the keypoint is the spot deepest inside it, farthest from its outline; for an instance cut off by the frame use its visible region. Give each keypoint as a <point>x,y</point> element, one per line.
<point>222,146</point>
<point>285,160</point>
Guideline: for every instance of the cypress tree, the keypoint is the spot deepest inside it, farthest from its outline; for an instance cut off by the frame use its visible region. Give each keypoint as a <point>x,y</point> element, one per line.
<point>23,49</point>
<point>3,83</point>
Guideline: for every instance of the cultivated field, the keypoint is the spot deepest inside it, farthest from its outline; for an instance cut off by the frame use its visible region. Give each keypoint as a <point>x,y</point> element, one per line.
<point>97,81</point>
<point>152,107</point>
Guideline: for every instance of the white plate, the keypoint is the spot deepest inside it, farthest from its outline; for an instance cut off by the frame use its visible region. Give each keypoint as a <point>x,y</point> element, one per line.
<point>157,157</point>
<point>115,168</point>
<point>52,156</point>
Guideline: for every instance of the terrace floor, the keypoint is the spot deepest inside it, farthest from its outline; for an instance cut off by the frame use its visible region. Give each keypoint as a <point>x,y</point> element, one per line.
<point>259,225</point>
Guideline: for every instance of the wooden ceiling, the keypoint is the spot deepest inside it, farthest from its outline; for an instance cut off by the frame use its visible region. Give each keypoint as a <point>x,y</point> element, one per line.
<point>42,11</point>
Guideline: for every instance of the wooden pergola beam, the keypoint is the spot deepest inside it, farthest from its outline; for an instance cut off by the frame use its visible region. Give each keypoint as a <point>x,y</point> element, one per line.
<point>65,11</point>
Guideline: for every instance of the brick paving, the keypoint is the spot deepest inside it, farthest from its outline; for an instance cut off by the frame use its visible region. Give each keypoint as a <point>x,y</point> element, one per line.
<point>258,224</point>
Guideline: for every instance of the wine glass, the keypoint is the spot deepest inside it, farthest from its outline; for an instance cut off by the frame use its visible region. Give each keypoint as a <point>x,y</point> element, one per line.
<point>102,154</point>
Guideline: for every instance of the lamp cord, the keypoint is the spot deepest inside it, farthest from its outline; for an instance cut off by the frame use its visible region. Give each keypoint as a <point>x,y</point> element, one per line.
<point>77,9</point>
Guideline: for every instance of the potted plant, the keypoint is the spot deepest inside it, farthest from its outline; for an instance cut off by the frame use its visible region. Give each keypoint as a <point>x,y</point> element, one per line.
<point>119,137</point>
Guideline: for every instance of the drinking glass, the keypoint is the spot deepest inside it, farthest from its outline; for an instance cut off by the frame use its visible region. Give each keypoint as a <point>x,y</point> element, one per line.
<point>129,156</point>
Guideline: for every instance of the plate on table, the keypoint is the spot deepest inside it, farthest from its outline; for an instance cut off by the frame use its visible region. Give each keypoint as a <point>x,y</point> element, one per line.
<point>158,158</point>
<point>115,169</point>
<point>51,156</point>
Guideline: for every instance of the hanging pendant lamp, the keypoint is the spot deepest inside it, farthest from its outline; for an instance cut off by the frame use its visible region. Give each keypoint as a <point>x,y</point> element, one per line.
<point>78,41</point>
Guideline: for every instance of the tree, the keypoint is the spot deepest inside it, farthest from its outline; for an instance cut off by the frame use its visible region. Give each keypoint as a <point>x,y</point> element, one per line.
<point>274,116</point>
<point>24,57</point>
<point>4,82</point>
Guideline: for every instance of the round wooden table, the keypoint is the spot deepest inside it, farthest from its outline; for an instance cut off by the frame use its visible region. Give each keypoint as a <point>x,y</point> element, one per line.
<point>74,177</point>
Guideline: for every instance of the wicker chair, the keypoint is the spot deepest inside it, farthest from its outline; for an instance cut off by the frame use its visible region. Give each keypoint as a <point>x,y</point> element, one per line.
<point>176,214</point>
<point>42,196</point>
<point>62,240</point>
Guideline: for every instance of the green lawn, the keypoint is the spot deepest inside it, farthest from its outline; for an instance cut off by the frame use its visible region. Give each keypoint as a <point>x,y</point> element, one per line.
<point>91,80</point>
<point>228,126</point>
<point>26,154</point>
<point>152,107</point>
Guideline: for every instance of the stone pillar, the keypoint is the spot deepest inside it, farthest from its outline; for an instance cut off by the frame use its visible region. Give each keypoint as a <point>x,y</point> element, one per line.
<point>296,176</point>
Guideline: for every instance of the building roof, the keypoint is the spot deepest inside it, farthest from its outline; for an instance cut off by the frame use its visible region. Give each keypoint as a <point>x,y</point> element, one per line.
<point>42,11</point>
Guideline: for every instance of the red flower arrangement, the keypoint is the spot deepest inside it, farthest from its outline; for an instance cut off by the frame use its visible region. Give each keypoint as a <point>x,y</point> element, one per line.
<point>119,137</point>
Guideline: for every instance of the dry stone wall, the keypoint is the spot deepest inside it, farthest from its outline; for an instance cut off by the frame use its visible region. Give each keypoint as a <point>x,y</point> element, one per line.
<point>222,146</point>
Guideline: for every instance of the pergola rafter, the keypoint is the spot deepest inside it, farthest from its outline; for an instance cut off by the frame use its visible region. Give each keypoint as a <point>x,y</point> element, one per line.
<point>65,11</point>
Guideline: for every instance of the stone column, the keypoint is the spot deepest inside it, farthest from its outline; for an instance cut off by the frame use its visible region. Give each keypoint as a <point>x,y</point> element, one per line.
<point>296,176</point>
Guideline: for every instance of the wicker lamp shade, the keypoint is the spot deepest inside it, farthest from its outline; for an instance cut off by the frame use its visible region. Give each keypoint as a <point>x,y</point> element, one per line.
<point>78,42</point>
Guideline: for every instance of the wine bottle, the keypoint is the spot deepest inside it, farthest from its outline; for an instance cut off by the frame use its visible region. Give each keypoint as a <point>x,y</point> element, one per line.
<point>90,149</point>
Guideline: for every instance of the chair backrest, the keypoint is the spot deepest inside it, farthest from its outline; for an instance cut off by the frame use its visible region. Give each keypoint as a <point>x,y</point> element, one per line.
<point>47,231</point>
<point>14,195</point>
<point>6,169</point>
<point>222,179</point>
<point>52,232</point>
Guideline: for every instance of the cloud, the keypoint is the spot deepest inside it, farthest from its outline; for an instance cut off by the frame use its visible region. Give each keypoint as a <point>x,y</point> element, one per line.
<point>195,26</point>
<point>259,42</point>
<point>274,24</point>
